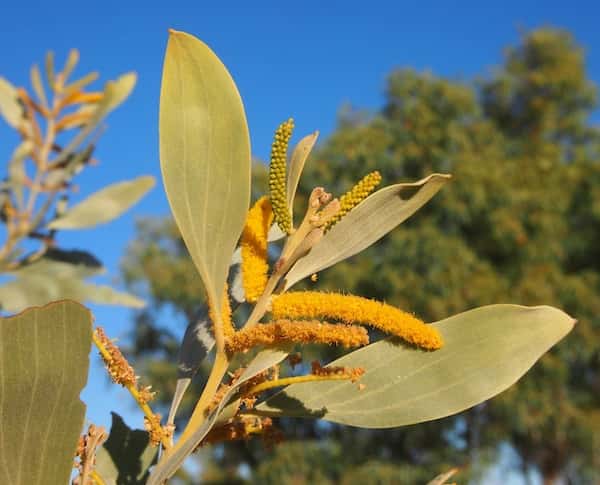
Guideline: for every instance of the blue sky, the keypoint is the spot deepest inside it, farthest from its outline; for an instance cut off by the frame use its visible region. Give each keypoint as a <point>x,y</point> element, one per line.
<point>301,59</point>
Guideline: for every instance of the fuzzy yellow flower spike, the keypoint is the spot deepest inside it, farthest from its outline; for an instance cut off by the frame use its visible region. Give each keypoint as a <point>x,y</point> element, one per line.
<point>355,196</point>
<point>278,177</point>
<point>254,249</point>
<point>354,309</point>
<point>287,331</point>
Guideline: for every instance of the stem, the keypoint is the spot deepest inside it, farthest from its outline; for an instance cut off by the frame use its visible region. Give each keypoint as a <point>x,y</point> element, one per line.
<point>286,381</point>
<point>97,478</point>
<point>143,405</point>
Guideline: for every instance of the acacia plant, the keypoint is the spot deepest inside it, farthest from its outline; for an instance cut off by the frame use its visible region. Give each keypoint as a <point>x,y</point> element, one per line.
<point>59,124</point>
<point>412,372</point>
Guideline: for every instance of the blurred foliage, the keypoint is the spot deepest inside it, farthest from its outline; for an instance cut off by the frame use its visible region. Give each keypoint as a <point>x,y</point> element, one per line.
<point>520,222</point>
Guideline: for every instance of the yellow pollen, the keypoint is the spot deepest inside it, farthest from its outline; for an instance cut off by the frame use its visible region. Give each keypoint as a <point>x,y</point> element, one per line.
<point>354,309</point>
<point>287,331</point>
<point>254,249</point>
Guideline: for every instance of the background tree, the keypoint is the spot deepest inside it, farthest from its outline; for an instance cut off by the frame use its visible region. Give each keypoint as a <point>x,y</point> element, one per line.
<point>520,223</point>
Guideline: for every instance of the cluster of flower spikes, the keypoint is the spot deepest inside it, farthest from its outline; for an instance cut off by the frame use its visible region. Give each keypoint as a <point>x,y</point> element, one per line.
<point>355,196</point>
<point>278,175</point>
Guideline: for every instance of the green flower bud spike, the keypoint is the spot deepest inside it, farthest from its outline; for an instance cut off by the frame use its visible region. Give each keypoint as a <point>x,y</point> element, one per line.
<point>355,196</point>
<point>278,177</point>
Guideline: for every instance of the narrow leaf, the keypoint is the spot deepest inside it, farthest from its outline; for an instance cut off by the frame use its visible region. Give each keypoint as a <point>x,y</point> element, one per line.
<point>38,85</point>
<point>50,74</point>
<point>368,222</point>
<point>43,368</point>
<point>171,461</point>
<point>104,205</point>
<point>71,63</point>
<point>486,351</point>
<point>126,456</point>
<point>297,161</point>
<point>10,108</point>
<point>197,343</point>
<point>205,156</point>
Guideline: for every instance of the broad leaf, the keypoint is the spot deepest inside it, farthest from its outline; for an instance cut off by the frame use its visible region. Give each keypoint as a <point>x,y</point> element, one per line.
<point>205,156</point>
<point>44,359</point>
<point>10,108</point>
<point>104,205</point>
<point>486,350</point>
<point>172,460</point>
<point>368,222</point>
<point>126,456</point>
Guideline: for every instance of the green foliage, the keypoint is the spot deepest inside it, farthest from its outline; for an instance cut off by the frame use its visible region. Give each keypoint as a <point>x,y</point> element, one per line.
<point>43,368</point>
<point>519,223</point>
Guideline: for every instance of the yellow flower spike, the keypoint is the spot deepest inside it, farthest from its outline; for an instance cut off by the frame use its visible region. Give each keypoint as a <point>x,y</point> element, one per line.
<point>277,175</point>
<point>254,249</point>
<point>355,196</point>
<point>354,309</point>
<point>288,331</point>
<point>228,328</point>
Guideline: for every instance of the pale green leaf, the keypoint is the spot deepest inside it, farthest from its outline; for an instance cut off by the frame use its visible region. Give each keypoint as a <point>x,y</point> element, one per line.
<point>59,275</point>
<point>10,108</point>
<point>86,80</point>
<point>71,63</point>
<point>169,464</point>
<point>368,222</point>
<point>38,85</point>
<point>485,351</point>
<point>104,205</point>
<point>443,478</point>
<point>125,458</point>
<point>297,161</point>
<point>44,359</point>
<point>50,74</point>
<point>205,156</point>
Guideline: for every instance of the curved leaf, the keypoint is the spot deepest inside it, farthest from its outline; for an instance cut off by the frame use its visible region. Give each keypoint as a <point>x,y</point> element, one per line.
<point>486,350</point>
<point>368,222</point>
<point>44,359</point>
<point>205,156</point>
<point>104,205</point>
<point>297,161</point>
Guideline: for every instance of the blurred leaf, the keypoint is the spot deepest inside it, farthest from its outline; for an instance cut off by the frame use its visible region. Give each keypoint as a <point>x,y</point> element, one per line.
<point>297,161</point>
<point>368,222</point>
<point>38,85</point>
<point>83,82</point>
<point>50,74</point>
<point>486,350</point>
<point>16,169</point>
<point>197,343</point>
<point>126,456</point>
<point>205,156</point>
<point>59,275</point>
<point>171,461</point>
<point>104,205</point>
<point>43,368</point>
<point>10,108</point>
<point>72,60</point>
<point>442,479</point>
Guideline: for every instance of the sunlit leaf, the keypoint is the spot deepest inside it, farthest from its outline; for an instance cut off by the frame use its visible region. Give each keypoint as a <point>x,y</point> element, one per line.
<point>486,350</point>
<point>297,161</point>
<point>10,108</point>
<point>368,222</point>
<point>205,156</point>
<point>44,359</point>
<point>38,85</point>
<point>104,205</point>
